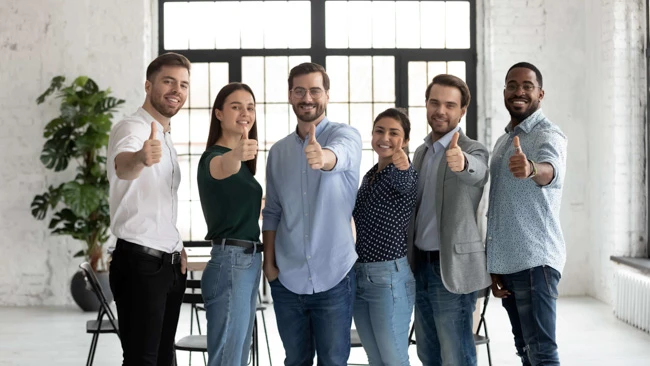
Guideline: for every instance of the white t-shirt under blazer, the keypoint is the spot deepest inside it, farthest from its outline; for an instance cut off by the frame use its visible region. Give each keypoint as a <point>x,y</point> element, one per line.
<point>144,210</point>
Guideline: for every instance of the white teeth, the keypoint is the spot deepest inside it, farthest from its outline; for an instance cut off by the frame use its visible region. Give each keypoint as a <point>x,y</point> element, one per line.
<point>384,146</point>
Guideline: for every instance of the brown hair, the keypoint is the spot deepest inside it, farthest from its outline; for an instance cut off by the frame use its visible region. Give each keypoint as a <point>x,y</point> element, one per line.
<point>167,59</point>
<point>215,124</point>
<point>453,81</point>
<point>308,68</point>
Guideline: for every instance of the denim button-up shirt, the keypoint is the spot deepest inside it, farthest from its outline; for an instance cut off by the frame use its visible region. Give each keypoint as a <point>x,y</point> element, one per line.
<point>524,218</point>
<point>311,210</point>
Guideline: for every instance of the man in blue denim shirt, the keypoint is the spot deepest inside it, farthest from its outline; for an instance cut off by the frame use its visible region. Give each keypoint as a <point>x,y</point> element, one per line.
<point>525,246</point>
<point>312,177</point>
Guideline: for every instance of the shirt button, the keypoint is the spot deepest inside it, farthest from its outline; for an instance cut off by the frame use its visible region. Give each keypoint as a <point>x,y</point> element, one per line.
<point>304,193</point>
<point>309,257</point>
<point>310,278</point>
<point>306,214</point>
<point>489,238</point>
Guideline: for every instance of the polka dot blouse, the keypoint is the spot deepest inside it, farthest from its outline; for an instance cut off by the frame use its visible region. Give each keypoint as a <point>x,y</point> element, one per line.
<point>385,203</point>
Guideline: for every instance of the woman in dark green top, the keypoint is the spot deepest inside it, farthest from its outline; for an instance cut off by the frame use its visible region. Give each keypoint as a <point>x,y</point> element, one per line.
<point>231,199</point>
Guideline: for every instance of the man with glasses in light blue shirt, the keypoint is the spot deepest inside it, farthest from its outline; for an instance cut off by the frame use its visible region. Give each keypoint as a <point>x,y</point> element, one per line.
<point>312,176</point>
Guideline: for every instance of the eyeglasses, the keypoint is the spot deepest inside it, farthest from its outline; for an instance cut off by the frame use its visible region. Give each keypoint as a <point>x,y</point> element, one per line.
<point>300,93</point>
<point>528,87</point>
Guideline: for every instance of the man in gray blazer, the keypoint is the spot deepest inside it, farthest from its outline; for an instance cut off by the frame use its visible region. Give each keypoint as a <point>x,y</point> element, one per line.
<point>445,248</point>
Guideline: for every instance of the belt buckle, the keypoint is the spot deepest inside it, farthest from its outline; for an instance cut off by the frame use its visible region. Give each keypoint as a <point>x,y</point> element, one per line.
<point>176,257</point>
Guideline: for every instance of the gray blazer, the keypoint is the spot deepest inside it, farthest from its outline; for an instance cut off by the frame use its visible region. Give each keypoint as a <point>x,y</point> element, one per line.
<point>463,264</point>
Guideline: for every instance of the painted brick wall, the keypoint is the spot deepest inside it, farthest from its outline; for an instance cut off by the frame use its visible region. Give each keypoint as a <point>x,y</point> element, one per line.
<point>109,41</point>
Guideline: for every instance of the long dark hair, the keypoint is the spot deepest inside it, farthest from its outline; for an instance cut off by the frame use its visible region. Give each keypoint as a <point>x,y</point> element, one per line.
<point>215,123</point>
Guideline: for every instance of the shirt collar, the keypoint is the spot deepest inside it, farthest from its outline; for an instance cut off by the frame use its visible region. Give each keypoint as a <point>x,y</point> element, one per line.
<point>529,123</point>
<point>321,126</point>
<point>148,117</point>
<point>442,142</point>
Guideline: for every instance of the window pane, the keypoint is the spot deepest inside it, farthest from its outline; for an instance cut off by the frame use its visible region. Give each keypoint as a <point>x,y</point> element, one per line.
<point>277,122</point>
<point>380,107</point>
<point>253,37</point>
<point>202,26</point>
<point>419,126</point>
<point>432,15</point>
<point>181,131</point>
<point>368,160</point>
<point>191,177</point>
<point>457,24</point>
<point>298,24</point>
<point>336,24</point>
<point>184,187</point>
<point>360,78</point>
<point>276,71</point>
<point>456,68</point>
<point>184,219</point>
<point>417,83</point>
<point>338,112</point>
<point>383,71</point>
<point>260,121</point>
<point>276,27</point>
<point>177,26</point>
<point>260,175</point>
<point>407,15</point>
<point>199,228</point>
<point>361,118</point>
<point>199,129</point>
<point>218,79</point>
<point>253,75</point>
<point>226,28</point>
<point>199,80</point>
<point>337,70</point>
<point>383,24</point>
<point>360,21</point>
<point>435,68</point>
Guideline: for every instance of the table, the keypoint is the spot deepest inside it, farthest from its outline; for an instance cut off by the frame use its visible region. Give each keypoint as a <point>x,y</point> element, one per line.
<point>197,257</point>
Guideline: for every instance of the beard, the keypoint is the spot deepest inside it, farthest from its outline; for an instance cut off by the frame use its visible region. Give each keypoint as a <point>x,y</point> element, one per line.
<point>308,116</point>
<point>163,109</point>
<point>520,115</point>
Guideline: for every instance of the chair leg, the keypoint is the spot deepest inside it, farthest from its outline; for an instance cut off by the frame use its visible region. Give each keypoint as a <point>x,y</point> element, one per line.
<point>93,347</point>
<point>266,336</point>
<point>489,353</point>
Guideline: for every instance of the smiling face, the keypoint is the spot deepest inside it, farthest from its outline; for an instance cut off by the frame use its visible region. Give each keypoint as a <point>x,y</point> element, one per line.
<point>168,90</point>
<point>238,113</point>
<point>387,136</point>
<point>522,95</point>
<point>308,97</point>
<point>444,110</point>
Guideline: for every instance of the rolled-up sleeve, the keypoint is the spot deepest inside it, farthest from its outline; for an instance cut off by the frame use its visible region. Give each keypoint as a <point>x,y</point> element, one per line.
<point>128,136</point>
<point>346,146</point>
<point>552,149</point>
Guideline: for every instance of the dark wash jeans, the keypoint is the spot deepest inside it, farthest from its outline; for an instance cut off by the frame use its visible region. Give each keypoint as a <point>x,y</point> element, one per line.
<point>148,295</point>
<point>531,308</point>
<point>318,323</point>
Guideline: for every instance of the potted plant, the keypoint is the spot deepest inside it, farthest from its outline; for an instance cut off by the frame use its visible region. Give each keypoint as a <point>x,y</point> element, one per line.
<point>80,133</point>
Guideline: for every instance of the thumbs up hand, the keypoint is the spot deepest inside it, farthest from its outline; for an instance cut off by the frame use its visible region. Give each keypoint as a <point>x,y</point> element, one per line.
<point>519,164</point>
<point>313,151</point>
<point>151,151</point>
<point>246,149</point>
<point>455,156</point>
<point>400,160</point>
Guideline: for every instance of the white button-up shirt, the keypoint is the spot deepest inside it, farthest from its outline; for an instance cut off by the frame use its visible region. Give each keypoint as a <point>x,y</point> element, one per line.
<point>144,210</point>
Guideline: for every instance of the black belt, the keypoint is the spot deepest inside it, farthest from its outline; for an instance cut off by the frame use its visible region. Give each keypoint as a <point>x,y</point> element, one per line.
<point>251,246</point>
<point>126,246</point>
<point>430,256</point>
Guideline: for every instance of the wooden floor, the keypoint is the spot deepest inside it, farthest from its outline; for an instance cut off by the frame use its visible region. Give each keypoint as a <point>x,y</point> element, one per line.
<point>588,334</point>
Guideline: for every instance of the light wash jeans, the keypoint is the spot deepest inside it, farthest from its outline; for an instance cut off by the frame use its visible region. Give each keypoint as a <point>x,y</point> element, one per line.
<point>229,286</point>
<point>383,308</point>
<point>443,320</point>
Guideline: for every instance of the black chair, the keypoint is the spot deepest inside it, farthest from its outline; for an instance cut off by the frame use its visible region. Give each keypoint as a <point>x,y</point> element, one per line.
<point>193,342</point>
<point>478,338</point>
<point>485,338</point>
<point>99,325</point>
<point>255,349</point>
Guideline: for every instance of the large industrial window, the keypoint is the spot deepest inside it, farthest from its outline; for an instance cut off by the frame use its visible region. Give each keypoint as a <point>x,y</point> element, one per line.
<point>378,54</point>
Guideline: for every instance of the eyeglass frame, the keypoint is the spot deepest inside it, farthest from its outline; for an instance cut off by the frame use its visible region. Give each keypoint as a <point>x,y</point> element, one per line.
<point>304,91</point>
<point>522,86</point>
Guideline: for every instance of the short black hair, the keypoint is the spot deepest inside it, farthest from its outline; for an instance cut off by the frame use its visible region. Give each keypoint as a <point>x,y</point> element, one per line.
<point>529,66</point>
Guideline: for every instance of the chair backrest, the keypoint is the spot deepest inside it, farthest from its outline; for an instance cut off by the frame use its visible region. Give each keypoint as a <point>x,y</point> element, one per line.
<point>96,287</point>
<point>191,296</point>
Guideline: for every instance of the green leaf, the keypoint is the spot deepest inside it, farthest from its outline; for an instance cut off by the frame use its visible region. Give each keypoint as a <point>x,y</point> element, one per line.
<point>56,84</point>
<point>81,81</point>
<point>39,206</point>
<point>80,253</point>
<point>58,150</point>
<point>53,126</point>
<point>82,199</point>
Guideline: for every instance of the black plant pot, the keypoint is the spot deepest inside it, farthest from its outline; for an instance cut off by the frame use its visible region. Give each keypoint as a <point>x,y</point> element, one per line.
<point>83,294</point>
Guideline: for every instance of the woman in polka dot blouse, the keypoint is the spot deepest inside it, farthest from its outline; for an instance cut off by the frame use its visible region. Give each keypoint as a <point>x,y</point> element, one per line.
<point>385,284</point>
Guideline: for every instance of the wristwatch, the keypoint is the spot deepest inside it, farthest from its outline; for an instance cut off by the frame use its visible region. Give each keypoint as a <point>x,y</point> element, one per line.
<point>533,169</point>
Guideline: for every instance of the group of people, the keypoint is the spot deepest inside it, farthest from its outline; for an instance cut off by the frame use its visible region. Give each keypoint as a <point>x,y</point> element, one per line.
<point>418,243</point>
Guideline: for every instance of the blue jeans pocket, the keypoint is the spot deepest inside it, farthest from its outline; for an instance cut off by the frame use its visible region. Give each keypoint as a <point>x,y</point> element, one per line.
<point>552,278</point>
<point>210,281</point>
<point>380,280</point>
<point>242,261</point>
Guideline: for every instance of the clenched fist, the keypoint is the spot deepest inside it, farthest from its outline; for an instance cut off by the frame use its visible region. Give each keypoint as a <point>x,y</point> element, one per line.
<point>519,164</point>
<point>455,156</point>
<point>246,149</point>
<point>151,151</point>
<point>400,159</point>
<point>314,152</point>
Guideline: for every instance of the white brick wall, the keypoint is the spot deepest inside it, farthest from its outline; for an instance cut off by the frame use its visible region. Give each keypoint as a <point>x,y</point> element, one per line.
<point>109,41</point>
<point>591,56</point>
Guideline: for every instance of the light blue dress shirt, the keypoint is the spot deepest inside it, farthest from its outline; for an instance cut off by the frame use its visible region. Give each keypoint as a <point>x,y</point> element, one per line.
<point>524,218</point>
<point>311,210</point>
<point>427,232</point>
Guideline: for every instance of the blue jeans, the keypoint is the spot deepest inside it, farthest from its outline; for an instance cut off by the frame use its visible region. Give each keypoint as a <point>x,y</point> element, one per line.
<point>531,308</point>
<point>383,308</point>
<point>229,286</point>
<point>443,320</point>
<point>317,323</point>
